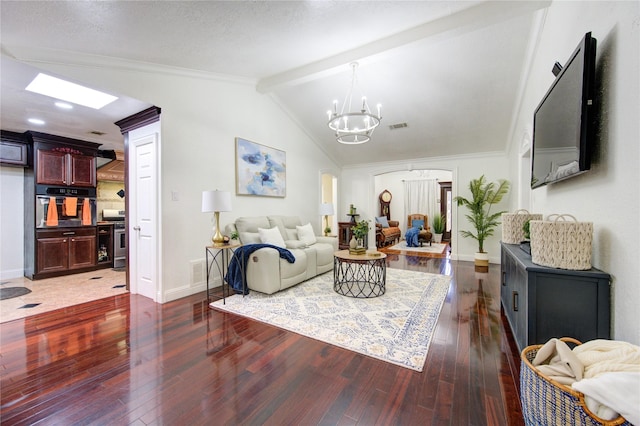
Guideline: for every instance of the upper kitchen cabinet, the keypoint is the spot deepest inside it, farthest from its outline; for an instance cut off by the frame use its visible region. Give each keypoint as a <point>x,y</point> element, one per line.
<point>65,169</point>
<point>64,162</point>
<point>14,149</point>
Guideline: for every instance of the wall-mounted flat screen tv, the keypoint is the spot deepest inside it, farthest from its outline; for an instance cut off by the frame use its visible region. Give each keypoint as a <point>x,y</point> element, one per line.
<point>563,123</point>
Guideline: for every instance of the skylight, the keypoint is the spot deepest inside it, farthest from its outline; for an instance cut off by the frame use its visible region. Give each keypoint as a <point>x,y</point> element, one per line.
<point>70,92</point>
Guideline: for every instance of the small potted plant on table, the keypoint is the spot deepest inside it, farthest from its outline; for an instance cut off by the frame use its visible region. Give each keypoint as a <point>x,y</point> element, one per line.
<point>360,231</point>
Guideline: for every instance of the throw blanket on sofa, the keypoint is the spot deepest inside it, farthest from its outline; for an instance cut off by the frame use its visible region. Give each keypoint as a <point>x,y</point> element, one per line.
<point>412,237</point>
<point>234,273</point>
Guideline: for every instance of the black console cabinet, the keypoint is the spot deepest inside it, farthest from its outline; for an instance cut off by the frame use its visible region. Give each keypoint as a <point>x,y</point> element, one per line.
<point>541,302</point>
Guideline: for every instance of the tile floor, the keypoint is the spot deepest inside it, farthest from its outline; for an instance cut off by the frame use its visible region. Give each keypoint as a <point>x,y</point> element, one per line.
<point>53,293</point>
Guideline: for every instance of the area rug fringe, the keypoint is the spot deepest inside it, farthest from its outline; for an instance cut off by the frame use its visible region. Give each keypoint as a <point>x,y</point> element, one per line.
<point>396,327</point>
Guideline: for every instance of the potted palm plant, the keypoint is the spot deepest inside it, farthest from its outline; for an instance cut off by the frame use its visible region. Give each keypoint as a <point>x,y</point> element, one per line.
<point>438,227</point>
<point>483,196</point>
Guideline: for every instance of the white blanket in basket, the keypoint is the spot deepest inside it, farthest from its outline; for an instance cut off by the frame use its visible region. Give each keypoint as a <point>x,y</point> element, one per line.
<point>610,394</point>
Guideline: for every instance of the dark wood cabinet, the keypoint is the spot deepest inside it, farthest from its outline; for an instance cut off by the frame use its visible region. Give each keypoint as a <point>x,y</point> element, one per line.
<point>82,170</point>
<point>344,234</point>
<point>52,168</point>
<point>105,245</point>
<point>14,149</point>
<point>61,167</point>
<point>64,169</point>
<point>541,302</point>
<point>67,249</point>
<point>53,254</point>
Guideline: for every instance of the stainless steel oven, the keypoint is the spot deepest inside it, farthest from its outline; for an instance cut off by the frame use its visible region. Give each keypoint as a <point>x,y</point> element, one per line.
<point>59,207</point>
<point>120,246</point>
<point>119,236</point>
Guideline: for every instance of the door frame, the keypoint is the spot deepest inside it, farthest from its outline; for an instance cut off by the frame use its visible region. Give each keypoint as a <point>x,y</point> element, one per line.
<point>444,188</point>
<point>141,119</point>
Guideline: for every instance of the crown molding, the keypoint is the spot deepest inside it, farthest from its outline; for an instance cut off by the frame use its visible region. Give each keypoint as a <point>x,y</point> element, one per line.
<point>36,55</point>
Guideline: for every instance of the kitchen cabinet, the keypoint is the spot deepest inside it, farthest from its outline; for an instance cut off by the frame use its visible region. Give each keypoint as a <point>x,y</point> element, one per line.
<point>105,245</point>
<point>541,302</point>
<point>61,167</point>
<point>14,149</point>
<point>65,169</point>
<point>61,250</point>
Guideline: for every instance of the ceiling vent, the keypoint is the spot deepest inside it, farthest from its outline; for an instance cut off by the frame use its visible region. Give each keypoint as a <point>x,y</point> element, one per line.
<point>97,133</point>
<point>398,126</point>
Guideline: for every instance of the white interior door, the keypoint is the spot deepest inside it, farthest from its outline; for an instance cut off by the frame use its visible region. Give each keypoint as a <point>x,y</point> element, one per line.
<point>143,212</point>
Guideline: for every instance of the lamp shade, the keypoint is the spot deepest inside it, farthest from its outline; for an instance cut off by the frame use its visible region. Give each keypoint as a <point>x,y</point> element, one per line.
<point>216,201</point>
<point>326,209</point>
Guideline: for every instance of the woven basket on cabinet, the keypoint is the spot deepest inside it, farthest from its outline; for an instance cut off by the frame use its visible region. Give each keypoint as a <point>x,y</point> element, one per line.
<point>547,402</point>
<point>560,243</point>
<point>512,223</point>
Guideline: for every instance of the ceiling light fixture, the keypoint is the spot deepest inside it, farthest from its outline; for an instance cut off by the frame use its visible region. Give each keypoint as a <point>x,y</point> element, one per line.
<point>356,127</point>
<point>70,92</point>
<point>36,121</point>
<point>63,105</point>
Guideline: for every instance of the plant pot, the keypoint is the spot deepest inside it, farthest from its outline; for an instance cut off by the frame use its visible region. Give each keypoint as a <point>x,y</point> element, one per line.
<point>437,238</point>
<point>353,243</point>
<point>481,262</point>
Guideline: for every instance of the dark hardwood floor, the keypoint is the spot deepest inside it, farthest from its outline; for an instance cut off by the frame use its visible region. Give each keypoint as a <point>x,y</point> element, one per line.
<point>126,360</point>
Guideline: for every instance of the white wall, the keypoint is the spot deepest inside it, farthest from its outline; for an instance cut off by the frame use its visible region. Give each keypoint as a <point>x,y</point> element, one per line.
<point>201,116</point>
<point>359,188</point>
<point>608,195</point>
<point>11,222</point>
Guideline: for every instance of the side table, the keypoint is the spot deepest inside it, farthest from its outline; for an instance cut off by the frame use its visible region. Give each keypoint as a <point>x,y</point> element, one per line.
<point>221,255</point>
<point>359,275</point>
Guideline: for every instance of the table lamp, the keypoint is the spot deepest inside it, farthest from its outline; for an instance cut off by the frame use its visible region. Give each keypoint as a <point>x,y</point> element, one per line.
<point>216,202</point>
<point>326,209</point>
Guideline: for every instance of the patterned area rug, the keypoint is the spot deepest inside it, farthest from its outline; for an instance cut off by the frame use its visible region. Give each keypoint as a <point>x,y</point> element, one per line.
<point>396,327</point>
<point>426,248</point>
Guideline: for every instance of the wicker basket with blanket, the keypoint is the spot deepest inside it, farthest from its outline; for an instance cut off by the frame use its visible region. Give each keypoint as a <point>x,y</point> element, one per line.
<point>548,402</point>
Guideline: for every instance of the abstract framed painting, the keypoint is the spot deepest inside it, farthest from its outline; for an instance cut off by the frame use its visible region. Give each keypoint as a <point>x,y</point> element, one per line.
<point>260,170</point>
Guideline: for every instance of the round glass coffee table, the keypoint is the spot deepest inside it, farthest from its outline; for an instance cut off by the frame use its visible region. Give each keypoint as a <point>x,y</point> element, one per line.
<point>359,275</point>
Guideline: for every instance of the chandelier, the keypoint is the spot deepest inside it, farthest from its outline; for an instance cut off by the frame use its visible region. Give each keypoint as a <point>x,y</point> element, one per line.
<point>353,127</point>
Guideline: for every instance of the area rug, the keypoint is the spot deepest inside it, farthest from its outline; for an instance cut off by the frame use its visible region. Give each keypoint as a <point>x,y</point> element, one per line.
<point>396,327</point>
<point>434,248</point>
<point>11,292</point>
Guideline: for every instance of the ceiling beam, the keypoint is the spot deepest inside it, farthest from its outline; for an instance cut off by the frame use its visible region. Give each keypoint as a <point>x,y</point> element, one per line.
<point>467,20</point>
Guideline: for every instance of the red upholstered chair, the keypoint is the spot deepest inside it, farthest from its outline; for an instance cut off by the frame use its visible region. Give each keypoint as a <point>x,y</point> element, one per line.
<point>386,235</point>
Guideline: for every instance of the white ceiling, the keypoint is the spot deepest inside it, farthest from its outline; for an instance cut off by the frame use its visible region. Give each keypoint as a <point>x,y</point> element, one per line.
<point>450,69</point>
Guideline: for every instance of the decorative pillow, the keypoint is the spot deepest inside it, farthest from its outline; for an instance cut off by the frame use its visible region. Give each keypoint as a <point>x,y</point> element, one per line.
<point>306,235</point>
<point>271,236</point>
<point>382,220</point>
<point>417,223</point>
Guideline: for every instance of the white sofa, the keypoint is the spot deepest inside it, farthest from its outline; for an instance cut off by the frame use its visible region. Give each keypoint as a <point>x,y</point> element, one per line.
<point>266,271</point>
